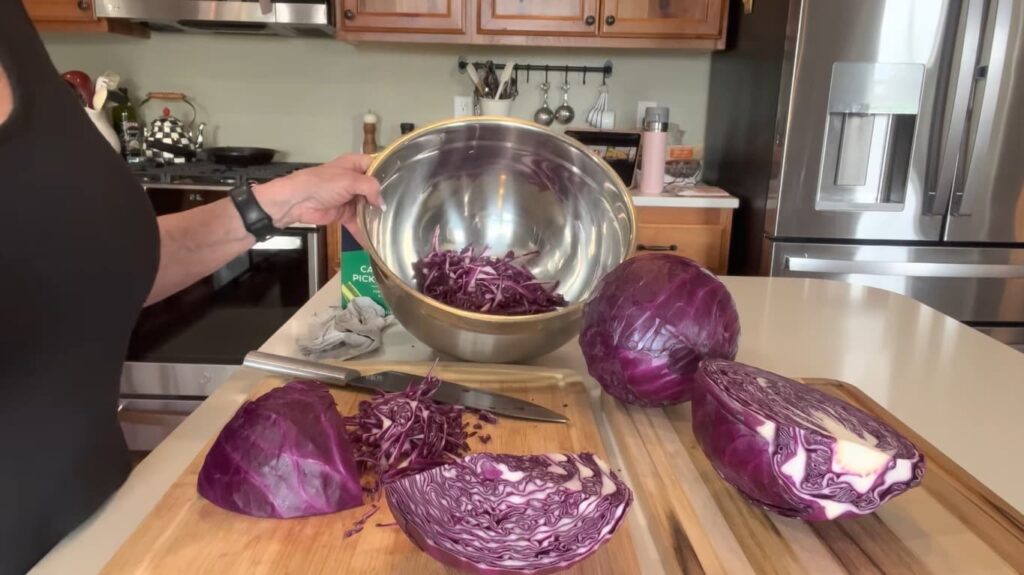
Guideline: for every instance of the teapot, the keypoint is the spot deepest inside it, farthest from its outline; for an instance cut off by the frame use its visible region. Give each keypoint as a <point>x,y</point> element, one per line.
<point>167,140</point>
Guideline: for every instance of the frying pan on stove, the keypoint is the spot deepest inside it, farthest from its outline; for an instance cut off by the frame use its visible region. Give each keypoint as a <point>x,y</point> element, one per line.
<point>240,156</point>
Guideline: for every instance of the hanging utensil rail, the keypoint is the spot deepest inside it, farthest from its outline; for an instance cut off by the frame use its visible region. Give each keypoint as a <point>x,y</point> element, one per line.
<point>605,71</point>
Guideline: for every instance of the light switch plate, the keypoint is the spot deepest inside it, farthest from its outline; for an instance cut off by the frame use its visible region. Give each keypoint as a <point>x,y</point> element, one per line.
<point>463,106</point>
<point>641,107</point>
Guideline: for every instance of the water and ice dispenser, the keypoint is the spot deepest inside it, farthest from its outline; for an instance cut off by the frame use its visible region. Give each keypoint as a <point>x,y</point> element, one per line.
<point>872,112</point>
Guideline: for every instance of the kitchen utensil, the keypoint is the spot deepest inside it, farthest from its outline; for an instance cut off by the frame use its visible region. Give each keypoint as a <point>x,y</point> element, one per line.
<point>491,79</point>
<point>906,535</point>
<point>607,121</point>
<point>594,116</point>
<point>564,113</point>
<point>240,156</point>
<point>184,533</point>
<point>506,75</point>
<point>545,192</point>
<point>82,85</point>
<point>167,139</point>
<point>544,115</point>
<point>393,381</point>
<point>471,71</point>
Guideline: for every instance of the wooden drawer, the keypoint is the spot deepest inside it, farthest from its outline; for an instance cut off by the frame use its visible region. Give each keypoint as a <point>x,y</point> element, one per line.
<point>702,244</point>
<point>699,234</point>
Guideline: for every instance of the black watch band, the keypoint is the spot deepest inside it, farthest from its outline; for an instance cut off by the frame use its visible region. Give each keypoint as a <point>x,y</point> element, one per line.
<point>256,221</point>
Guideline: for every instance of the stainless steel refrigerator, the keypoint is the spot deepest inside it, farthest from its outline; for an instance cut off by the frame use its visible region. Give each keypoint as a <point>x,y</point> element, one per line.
<point>878,142</point>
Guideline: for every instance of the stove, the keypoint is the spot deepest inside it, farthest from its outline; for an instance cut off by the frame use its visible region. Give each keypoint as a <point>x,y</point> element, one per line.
<point>210,175</point>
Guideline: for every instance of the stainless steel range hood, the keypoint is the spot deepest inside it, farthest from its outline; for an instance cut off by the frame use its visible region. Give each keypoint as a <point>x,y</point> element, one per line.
<point>308,18</point>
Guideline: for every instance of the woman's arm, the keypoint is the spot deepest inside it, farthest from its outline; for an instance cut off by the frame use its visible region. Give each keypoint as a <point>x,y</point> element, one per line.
<point>195,243</point>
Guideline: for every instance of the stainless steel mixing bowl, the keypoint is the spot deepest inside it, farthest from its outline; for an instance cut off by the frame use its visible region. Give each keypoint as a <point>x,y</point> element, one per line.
<point>510,185</point>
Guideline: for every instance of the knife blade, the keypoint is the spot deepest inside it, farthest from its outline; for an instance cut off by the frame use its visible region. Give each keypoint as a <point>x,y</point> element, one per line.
<point>393,381</point>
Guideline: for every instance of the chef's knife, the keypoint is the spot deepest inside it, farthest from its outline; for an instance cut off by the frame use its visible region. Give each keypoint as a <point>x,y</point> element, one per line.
<point>392,381</point>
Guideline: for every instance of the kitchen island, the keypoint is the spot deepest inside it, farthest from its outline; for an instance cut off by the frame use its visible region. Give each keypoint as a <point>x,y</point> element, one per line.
<point>959,389</point>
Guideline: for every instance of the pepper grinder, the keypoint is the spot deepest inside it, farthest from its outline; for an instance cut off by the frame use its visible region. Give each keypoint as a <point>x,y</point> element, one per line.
<point>370,133</point>
<point>655,143</point>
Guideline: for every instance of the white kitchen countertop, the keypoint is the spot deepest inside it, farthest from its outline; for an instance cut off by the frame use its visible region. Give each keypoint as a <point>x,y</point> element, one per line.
<point>700,196</point>
<point>958,388</point>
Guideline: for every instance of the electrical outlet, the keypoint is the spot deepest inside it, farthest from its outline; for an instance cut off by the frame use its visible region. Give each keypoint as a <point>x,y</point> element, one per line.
<point>463,106</point>
<point>641,107</point>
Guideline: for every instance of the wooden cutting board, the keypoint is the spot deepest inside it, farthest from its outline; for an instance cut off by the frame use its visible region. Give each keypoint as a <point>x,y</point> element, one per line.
<point>950,524</point>
<point>185,534</point>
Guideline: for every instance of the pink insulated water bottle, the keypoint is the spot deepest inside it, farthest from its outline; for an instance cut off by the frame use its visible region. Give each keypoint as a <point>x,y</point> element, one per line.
<point>655,144</point>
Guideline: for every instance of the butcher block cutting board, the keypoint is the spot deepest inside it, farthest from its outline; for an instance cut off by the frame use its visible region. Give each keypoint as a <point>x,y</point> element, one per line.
<point>185,534</point>
<point>951,524</point>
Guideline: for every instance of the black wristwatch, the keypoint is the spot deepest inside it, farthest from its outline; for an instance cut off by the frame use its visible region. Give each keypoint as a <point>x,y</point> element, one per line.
<point>256,220</point>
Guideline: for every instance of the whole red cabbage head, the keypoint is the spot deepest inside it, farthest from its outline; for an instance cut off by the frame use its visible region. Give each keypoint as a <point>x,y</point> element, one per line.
<point>650,322</point>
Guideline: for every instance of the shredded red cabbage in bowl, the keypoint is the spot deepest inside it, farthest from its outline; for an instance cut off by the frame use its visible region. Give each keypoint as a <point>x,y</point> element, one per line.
<point>473,281</point>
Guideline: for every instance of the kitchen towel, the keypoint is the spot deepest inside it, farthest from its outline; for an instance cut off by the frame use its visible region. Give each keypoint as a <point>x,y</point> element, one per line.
<point>345,333</point>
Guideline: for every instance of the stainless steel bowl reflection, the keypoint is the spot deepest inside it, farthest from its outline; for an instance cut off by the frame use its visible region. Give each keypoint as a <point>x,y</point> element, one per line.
<point>510,185</point>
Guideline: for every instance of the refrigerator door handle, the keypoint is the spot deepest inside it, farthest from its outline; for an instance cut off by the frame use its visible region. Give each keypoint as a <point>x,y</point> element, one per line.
<point>955,139</point>
<point>908,269</point>
<point>994,70</point>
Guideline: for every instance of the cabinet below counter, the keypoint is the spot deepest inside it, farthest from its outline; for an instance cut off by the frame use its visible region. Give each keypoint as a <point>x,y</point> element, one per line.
<point>697,226</point>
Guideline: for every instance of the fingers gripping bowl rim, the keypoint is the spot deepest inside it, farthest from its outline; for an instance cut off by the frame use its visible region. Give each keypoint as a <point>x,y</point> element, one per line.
<point>552,194</point>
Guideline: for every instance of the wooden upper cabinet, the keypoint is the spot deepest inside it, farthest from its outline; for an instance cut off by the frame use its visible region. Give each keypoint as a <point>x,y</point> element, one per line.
<point>662,18</point>
<point>420,16</point>
<point>539,17</point>
<point>60,10</point>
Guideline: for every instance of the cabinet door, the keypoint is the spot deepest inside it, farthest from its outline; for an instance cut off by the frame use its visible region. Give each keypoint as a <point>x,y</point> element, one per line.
<point>540,17</point>
<point>60,10</point>
<point>662,18</point>
<point>427,16</point>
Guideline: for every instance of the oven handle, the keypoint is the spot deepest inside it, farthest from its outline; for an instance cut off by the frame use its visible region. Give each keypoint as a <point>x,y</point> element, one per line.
<point>279,244</point>
<point>909,269</point>
<point>168,406</point>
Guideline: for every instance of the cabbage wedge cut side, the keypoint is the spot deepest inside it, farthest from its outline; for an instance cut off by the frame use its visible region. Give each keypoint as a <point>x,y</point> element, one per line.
<point>795,450</point>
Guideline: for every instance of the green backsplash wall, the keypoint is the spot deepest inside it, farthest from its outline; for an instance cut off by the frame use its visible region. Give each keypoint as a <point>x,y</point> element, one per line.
<point>307,97</point>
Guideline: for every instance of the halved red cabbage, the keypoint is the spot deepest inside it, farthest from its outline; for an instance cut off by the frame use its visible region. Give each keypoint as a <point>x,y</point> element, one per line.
<point>511,514</point>
<point>650,322</point>
<point>284,454</point>
<point>795,450</point>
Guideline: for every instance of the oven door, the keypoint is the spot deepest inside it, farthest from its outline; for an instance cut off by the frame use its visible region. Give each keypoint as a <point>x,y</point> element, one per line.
<point>220,318</point>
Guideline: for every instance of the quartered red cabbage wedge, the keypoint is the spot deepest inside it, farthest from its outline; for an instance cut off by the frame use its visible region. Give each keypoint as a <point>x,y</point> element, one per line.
<point>795,450</point>
<point>284,454</point>
<point>511,514</point>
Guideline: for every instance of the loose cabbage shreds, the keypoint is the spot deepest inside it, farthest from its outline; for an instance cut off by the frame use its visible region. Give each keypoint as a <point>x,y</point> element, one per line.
<point>398,434</point>
<point>511,514</point>
<point>474,281</point>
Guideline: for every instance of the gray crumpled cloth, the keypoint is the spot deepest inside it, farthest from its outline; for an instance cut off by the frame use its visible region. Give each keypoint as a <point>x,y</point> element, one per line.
<point>345,333</point>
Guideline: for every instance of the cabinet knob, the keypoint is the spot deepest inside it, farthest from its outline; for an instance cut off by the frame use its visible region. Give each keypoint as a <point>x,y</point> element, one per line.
<point>609,20</point>
<point>350,15</point>
<point>84,5</point>
<point>589,20</point>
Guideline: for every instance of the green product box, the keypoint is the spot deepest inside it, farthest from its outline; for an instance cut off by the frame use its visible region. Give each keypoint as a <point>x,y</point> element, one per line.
<point>357,277</point>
